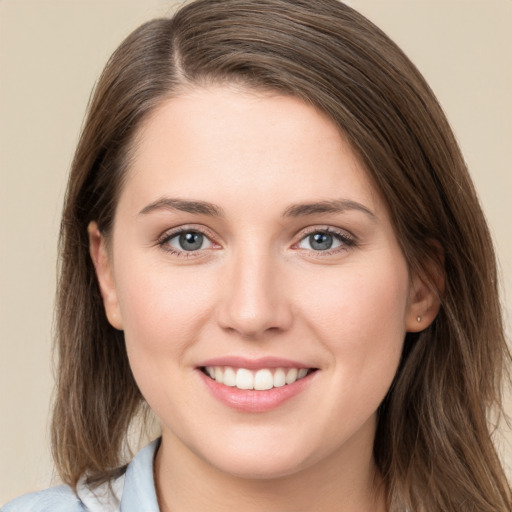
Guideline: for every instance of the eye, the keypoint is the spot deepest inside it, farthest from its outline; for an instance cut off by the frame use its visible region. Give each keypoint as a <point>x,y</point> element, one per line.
<point>324,240</point>
<point>188,241</point>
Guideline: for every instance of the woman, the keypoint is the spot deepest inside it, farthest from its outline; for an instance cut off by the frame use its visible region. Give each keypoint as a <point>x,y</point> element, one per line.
<point>270,238</point>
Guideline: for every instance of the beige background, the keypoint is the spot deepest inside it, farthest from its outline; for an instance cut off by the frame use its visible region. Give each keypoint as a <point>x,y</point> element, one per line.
<point>51,53</point>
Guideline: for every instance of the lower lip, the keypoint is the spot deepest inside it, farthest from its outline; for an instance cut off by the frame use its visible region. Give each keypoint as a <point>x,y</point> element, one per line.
<point>250,400</point>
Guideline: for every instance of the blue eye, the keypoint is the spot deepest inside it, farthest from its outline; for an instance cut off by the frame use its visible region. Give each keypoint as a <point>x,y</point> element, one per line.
<point>324,241</point>
<point>188,241</point>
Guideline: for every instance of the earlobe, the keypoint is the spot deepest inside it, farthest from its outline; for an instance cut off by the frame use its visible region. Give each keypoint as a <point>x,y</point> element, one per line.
<point>102,264</point>
<point>423,305</point>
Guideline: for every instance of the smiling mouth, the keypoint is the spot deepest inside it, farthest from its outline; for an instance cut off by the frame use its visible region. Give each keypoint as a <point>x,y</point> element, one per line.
<point>259,380</point>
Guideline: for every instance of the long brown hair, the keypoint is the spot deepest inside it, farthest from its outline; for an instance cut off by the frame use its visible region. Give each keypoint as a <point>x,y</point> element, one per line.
<point>433,445</point>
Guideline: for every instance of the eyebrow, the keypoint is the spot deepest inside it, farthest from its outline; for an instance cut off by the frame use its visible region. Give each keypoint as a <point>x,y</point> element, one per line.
<point>183,205</point>
<point>295,210</point>
<point>333,206</point>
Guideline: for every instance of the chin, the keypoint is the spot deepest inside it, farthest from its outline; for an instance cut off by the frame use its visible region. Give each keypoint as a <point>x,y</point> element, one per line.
<point>261,463</point>
<point>260,469</point>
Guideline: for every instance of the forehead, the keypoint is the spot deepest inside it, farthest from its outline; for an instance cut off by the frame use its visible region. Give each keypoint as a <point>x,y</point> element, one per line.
<point>225,138</point>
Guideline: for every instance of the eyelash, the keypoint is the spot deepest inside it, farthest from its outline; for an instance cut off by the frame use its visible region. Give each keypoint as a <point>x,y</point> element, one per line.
<point>164,240</point>
<point>347,240</point>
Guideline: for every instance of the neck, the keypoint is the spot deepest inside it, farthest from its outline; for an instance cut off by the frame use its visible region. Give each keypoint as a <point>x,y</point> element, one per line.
<point>339,483</point>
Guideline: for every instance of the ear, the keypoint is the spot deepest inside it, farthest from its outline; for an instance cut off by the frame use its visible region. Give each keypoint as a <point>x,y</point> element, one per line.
<point>424,303</point>
<point>103,266</point>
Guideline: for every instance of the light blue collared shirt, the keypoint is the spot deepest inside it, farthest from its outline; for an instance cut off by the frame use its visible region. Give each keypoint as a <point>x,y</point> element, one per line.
<point>132,492</point>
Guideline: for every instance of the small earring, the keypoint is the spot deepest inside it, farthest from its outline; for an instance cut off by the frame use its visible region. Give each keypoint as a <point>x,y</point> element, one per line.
<point>418,319</point>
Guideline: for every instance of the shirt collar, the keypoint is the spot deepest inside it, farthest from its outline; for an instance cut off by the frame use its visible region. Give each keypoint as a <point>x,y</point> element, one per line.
<point>139,493</point>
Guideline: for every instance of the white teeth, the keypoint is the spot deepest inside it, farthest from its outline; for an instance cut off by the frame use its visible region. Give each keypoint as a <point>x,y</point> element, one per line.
<point>229,377</point>
<point>279,378</point>
<point>263,380</point>
<point>259,380</point>
<point>244,379</point>
<point>302,373</point>
<point>291,375</point>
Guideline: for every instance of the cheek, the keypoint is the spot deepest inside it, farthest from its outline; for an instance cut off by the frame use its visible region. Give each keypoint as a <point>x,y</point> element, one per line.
<point>363,300</point>
<point>361,321</point>
<point>163,315</point>
<point>162,309</point>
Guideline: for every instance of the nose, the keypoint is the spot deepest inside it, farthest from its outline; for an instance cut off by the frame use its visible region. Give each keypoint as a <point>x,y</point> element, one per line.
<point>255,302</point>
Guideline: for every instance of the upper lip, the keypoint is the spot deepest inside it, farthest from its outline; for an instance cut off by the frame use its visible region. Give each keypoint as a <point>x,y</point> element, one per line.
<point>254,364</point>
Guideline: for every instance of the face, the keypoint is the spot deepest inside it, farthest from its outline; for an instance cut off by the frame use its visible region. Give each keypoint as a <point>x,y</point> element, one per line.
<point>256,275</point>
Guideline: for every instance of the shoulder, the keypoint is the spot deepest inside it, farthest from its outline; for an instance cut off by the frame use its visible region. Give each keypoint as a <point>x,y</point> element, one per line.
<point>54,499</point>
<point>63,499</point>
<point>133,491</point>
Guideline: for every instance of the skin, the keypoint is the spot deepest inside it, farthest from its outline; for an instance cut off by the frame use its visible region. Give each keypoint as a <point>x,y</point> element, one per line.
<point>256,288</point>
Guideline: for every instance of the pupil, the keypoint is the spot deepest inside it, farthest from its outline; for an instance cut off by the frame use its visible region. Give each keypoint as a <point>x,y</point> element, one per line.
<point>321,241</point>
<point>191,241</point>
